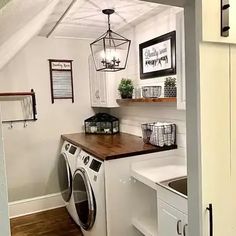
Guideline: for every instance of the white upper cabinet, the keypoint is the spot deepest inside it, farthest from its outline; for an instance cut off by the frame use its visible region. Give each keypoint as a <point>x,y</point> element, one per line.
<point>211,21</point>
<point>103,87</point>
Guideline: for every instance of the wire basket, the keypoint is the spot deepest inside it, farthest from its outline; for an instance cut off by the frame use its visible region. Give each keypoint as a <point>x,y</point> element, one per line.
<point>159,134</point>
<point>151,91</point>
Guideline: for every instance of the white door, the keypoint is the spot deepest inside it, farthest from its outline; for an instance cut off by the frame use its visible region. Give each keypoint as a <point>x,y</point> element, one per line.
<point>215,137</point>
<point>171,222</point>
<point>4,216</point>
<point>233,136</point>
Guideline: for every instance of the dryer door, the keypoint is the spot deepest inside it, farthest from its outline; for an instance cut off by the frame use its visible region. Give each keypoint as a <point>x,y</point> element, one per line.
<point>84,199</point>
<point>65,177</point>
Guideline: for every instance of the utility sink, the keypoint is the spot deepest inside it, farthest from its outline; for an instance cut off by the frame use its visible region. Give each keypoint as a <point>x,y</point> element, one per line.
<point>178,186</point>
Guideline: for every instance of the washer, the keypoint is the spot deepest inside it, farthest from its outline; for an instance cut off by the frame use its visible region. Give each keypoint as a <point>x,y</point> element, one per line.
<point>66,169</point>
<point>89,195</point>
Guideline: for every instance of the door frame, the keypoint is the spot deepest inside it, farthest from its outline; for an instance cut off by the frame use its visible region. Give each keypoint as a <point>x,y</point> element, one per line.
<point>193,25</point>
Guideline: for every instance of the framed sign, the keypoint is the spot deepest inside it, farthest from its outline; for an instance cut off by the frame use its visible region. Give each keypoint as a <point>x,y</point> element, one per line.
<point>158,56</point>
<point>61,79</point>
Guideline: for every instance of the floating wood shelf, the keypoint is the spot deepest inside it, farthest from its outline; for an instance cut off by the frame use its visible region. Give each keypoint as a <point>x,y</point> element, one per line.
<point>14,96</point>
<point>147,100</point>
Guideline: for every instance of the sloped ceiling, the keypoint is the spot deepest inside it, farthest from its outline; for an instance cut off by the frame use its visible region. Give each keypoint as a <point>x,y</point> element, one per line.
<point>19,23</point>
<point>86,20</point>
<point>3,3</point>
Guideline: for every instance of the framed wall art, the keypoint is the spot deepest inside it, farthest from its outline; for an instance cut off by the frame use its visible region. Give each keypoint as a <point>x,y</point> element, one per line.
<point>61,79</point>
<point>158,56</point>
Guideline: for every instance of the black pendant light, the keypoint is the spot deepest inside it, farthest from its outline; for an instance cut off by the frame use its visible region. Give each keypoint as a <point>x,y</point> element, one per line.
<point>110,51</point>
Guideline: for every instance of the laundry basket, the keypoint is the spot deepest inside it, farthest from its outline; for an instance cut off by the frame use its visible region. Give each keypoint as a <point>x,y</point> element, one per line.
<point>151,91</point>
<point>159,134</point>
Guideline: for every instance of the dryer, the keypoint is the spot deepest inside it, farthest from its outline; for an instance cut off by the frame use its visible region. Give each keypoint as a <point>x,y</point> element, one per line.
<point>66,168</point>
<point>89,195</point>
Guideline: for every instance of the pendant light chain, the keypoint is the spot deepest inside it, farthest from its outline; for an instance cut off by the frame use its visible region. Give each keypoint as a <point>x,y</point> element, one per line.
<point>109,22</point>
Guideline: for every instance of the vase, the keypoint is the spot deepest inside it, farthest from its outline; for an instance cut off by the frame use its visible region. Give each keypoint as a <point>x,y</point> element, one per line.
<point>126,96</point>
<point>170,92</point>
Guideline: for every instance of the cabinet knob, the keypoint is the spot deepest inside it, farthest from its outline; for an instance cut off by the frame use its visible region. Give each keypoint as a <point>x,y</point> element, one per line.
<point>179,227</point>
<point>226,6</point>
<point>97,94</point>
<point>226,28</point>
<point>185,230</point>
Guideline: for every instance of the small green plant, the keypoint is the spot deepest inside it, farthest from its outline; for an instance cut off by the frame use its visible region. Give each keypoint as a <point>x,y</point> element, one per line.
<point>126,88</point>
<point>170,82</point>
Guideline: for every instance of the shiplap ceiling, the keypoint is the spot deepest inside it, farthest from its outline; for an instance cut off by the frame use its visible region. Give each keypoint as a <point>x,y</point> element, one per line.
<point>86,20</point>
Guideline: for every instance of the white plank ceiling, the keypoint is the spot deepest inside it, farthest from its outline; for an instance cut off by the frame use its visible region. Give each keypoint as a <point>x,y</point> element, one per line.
<point>86,20</point>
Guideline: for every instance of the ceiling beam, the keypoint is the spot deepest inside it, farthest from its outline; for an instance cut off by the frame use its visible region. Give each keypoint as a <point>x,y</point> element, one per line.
<point>176,3</point>
<point>61,18</point>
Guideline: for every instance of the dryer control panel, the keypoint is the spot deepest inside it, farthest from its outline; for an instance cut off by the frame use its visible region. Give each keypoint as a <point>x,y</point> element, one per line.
<point>70,149</point>
<point>95,165</point>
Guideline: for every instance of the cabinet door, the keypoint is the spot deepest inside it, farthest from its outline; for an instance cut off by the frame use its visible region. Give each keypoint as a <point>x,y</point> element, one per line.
<point>101,76</point>
<point>215,137</point>
<point>171,222</point>
<point>211,21</point>
<point>94,85</point>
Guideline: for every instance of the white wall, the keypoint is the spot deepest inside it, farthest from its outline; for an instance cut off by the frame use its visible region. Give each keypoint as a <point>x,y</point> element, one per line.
<point>134,115</point>
<point>31,153</point>
<point>4,222</point>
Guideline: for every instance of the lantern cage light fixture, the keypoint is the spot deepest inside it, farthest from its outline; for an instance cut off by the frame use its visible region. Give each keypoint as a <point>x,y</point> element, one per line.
<point>111,50</point>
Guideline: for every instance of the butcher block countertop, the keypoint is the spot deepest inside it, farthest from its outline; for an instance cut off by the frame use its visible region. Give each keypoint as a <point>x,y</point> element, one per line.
<point>109,147</point>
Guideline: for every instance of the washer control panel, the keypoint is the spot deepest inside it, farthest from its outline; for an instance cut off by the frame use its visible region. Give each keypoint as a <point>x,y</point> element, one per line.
<point>90,162</point>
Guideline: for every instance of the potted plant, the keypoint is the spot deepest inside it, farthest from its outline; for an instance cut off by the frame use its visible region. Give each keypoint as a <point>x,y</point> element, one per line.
<point>126,88</point>
<point>170,89</point>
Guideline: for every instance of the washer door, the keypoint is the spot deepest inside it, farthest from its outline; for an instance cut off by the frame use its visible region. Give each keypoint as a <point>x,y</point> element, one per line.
<point>65,177</point>
<point>84,199</point>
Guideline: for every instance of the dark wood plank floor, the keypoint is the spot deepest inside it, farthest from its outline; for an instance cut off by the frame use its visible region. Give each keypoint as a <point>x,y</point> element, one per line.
<point>49,223</point>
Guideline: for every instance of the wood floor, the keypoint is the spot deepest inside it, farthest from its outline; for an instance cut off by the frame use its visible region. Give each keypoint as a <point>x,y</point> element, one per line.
<point>49,223</point>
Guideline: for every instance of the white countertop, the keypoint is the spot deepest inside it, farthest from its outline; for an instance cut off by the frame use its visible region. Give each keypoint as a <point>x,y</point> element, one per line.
<point>159,169</point>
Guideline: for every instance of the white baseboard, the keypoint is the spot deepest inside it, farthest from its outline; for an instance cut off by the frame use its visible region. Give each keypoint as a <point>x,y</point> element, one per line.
<point>34,205</point>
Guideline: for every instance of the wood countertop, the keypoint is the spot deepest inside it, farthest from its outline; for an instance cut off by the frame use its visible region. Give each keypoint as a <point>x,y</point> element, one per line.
<point>109,147</point>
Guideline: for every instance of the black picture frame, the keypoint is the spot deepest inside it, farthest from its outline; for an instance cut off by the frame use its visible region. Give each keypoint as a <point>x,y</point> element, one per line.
<point>169,57</point>
<point>61,71</point>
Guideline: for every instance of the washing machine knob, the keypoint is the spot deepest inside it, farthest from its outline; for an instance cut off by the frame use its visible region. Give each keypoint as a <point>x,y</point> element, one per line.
<point>67,146</point>
<point>86,160</point>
